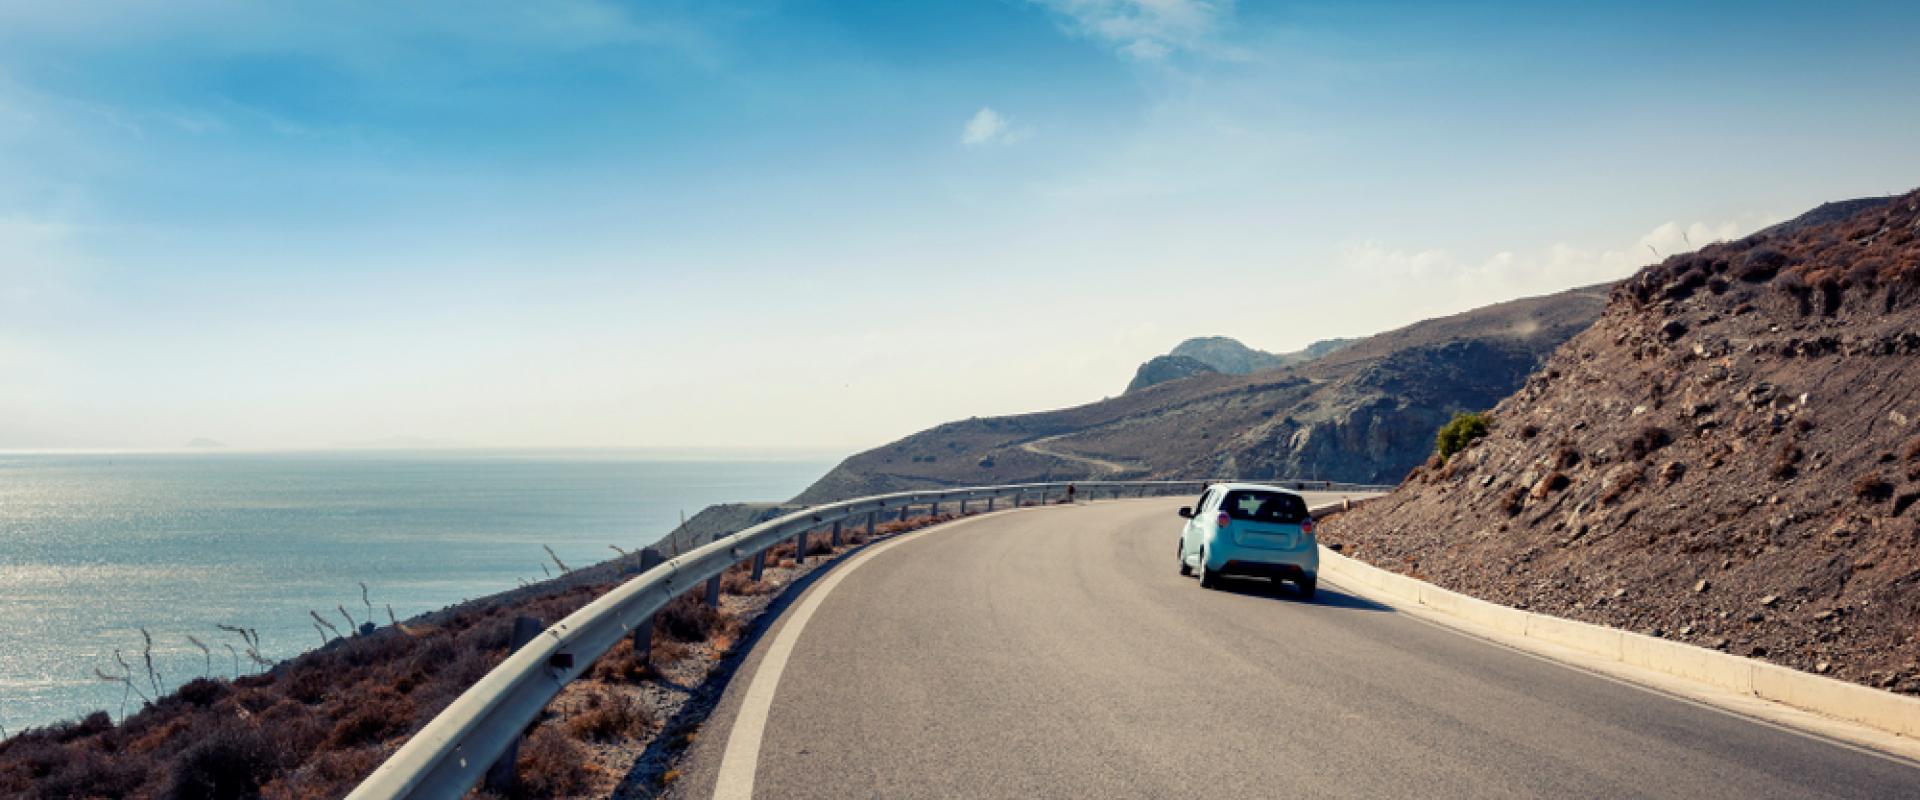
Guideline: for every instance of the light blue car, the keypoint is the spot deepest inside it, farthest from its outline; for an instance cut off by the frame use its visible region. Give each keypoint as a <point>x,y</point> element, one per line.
<point>1253,530</point>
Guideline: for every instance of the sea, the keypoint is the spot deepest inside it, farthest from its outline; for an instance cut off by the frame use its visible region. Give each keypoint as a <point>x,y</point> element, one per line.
<point>96,547</point>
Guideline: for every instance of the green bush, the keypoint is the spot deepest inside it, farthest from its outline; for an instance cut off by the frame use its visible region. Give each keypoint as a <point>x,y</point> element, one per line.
<point>1458,433</point>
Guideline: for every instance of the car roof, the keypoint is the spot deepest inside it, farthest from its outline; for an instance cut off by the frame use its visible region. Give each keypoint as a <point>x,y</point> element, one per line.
<point>1256,486</point>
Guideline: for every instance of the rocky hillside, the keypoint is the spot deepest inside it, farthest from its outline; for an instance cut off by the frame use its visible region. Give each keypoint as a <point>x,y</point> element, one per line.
<point>1205,354</point>
<point>1365,412</point>
<point>1730,457</point>
<point>1161,369</point>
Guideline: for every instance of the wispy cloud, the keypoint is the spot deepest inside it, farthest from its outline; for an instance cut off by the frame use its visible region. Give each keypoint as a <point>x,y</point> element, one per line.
<point>1145,30</point>
<point>1511,274</point>
<point>989,127</point>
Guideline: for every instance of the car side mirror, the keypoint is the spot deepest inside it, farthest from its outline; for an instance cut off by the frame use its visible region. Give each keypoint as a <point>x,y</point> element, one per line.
<point>1186,512</point>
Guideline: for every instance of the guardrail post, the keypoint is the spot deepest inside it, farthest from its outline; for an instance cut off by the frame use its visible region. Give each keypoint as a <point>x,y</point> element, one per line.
<point>870,518</point>
<point>643,633</point>
<point>759,565</point>
<point>506,771</point>
<point>836,535</point>
<point>935,511</point>
<point>713,583</point>
<point>800,548</point>
<point>989,504</point>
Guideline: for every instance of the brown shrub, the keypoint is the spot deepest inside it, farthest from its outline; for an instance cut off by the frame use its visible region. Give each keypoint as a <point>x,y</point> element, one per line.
<point>687,618</point>
<point>1645,442</point>
<point>1553,482</point>
<point>1565,457</point>
<point>1529,430</point>
<point>231,763</point>
<point>1912,451</point>
<point>371,717</point>
<point>620,666</point>
<point>1873,488</point>
<point>667,651</point>
<point>1786,462</point>
<point>1514,501</point>
<point>608,717</point>
<point>742,583</point>
<point>551,765</point>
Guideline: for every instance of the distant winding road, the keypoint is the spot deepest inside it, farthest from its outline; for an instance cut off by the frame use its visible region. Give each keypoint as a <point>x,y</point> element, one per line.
<point>1055,653</point>
<point>1102,466</point>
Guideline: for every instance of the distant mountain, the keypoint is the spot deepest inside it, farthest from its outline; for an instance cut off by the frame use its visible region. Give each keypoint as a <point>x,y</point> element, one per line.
<point>1161,369</point>
<point>1364,412</point>
<point>203,443</point>
<point>1221,354</point>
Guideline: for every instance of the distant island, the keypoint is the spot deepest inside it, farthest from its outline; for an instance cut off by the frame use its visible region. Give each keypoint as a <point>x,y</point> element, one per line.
<point>204,443</point>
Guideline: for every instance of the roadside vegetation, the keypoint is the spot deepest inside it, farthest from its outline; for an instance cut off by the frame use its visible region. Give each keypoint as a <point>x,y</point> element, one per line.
<point>317,724</point>
<point>1462,430</point>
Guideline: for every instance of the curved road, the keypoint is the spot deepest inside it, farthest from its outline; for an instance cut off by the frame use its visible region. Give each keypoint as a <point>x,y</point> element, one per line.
<point>1056,653</point>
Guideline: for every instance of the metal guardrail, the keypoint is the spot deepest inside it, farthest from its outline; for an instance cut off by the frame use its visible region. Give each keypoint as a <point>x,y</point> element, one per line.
<point>452,753</point>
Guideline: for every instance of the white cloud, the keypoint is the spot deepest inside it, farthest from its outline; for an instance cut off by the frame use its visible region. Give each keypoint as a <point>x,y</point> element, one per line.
<point>1145,30</point>
<point>1445,277</point>
<point>989,127</point>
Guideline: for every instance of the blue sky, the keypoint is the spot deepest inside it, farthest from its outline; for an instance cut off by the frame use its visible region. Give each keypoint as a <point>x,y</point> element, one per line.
<point>810,224</point>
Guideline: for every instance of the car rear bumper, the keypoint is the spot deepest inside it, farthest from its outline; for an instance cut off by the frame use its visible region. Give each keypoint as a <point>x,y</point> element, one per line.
<point>1255,562</point>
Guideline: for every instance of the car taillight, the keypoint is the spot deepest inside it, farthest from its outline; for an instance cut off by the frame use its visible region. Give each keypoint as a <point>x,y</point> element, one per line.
<point>1306,526</point>
<point>1224,519</point>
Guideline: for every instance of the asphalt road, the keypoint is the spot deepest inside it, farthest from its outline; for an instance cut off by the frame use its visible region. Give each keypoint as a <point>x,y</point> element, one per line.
<point>1057,653</point>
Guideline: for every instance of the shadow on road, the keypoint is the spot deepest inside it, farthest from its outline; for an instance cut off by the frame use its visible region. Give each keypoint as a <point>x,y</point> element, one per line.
<point>1328,596</point>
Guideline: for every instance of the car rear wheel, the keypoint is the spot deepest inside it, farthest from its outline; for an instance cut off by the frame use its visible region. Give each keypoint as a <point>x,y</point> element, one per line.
<point>1307,586</point>
<point>1209,578</point>
<point>1185,568</point>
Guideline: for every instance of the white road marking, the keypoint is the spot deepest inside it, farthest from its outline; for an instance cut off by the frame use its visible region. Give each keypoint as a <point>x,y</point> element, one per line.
<point>741,759</point>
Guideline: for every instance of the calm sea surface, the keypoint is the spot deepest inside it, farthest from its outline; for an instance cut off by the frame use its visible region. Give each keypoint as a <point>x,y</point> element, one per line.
<point>92,547</point>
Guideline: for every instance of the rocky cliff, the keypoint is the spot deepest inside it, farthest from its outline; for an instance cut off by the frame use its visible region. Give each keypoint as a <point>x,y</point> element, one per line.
<point>1730,457</point>
<point>1364,412</point>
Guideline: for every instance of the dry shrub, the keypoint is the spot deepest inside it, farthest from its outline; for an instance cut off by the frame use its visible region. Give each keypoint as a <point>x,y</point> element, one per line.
<point>231,763</point>
<point>742,583</point>
<point>1645,442</point>
<point>330,774</point>
<point>620,666</point>
<point>373,716</point>
<point>1912,450</point>
<point>1566,457</point>
<point>551,765</point>
<point>667,651</point>
<point>608,717</point>
<point>1553,482</point>
<point>1786,462</point>
<point>1873,488</point>
<point>1514,501</point>
<point>1529,430</point>
<point>688,618</point>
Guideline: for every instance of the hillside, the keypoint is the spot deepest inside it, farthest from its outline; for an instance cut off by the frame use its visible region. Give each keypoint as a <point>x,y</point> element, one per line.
<point>1206,354</point>
<point>1364,413</point>
<point>1730,457</point>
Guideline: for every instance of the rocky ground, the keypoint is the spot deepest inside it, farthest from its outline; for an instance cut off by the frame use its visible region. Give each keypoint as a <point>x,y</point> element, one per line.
<point>1729,457</point>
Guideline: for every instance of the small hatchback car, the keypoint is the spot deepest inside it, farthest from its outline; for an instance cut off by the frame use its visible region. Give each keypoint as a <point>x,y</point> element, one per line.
<point>1249,529</point>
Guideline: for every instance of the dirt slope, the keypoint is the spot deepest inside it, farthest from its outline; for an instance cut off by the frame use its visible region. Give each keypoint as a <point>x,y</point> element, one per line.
<point>1729,457</point>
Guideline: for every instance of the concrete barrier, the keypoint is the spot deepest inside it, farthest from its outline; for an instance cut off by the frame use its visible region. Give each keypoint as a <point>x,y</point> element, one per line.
<point>1886,711</point>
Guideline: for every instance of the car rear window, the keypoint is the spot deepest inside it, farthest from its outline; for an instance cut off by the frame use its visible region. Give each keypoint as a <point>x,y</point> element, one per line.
<point>1254,506</point>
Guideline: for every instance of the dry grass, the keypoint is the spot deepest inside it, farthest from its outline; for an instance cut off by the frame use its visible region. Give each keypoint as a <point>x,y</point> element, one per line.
<point>609,716</point>
<point>552,765</point>
<point>1873,488</point>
